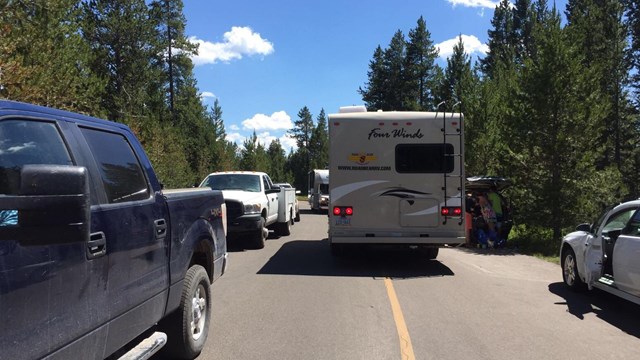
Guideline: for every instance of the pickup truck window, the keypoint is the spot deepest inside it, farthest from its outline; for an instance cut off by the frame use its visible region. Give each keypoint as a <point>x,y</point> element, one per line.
<point>120,169</point>
<point>243,182</point>
<point>24,142</point>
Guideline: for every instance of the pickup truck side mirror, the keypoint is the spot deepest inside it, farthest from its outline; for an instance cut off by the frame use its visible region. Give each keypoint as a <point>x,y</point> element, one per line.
<point>273,190</point>
<point>52,206</point>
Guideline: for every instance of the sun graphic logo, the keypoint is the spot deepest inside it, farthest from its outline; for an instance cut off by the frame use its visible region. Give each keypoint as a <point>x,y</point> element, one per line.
<point>362,158</point>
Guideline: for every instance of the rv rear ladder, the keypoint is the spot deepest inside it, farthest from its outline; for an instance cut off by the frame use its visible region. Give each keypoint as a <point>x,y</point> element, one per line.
<point>445,158</point>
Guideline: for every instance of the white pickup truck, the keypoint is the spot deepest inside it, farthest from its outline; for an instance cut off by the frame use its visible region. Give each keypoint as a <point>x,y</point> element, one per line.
<point>254,204</point>
<point>604,255</point>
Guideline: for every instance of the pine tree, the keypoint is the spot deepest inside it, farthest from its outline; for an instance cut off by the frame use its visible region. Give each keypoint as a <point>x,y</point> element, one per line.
<point>43,58</point>
<point>319,143</point>
<point>374,92</point>
<point>420,73</point>
<point>122,39</point>
<point>277,160</point>
<point>394,70</point>
<point>501,52</point>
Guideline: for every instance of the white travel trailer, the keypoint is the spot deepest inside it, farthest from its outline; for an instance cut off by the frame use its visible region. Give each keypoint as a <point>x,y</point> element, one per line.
<point>397,178</point>
<point>319,189</point>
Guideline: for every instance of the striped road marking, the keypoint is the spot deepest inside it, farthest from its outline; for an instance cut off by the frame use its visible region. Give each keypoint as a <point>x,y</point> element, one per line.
<point>406,349</point>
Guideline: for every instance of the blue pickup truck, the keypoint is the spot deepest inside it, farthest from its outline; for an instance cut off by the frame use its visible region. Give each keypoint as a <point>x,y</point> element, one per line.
<point>96,259</point>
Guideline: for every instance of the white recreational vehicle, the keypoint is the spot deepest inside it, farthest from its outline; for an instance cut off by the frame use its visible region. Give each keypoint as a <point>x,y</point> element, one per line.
<point>319,189</point>
<point>396,178</point>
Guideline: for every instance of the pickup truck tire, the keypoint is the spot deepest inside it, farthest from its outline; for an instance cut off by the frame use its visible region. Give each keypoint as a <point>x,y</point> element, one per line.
<point>283,228</point>
<point>188,327</point>
<point>570,274</point>
<point>259,237</point>
<point>297,218</point>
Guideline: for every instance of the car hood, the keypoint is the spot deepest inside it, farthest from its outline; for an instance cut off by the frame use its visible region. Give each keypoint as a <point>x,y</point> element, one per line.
<point>243,196</point>
<point>575,237</point>
<point>485,182</point>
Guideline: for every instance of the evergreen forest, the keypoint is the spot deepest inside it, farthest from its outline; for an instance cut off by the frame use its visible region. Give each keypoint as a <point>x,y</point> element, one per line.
<point>554,104</point>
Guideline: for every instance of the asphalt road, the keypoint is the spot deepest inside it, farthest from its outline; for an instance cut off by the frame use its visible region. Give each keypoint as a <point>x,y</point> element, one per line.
<point>293,300</point>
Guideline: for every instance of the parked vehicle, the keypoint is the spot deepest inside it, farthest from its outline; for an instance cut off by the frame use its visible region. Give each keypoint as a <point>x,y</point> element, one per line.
<point>254,204</point>
<point>296,206</point>
<point>318,190</point>
<point>96,252</point>
<point>485,185</point>
<point>397,178</point>
<point>604,255</point>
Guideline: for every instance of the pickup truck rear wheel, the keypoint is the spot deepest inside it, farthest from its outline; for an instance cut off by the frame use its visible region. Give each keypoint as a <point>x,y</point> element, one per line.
<point>570,274</point>
<point>284,228</point>
<point>188,327</point>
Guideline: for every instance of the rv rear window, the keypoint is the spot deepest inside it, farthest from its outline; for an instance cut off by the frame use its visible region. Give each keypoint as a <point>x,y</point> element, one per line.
<point>424,158</point>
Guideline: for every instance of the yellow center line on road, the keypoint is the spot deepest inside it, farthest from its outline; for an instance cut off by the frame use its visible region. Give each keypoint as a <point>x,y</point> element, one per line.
<point>406,349</point>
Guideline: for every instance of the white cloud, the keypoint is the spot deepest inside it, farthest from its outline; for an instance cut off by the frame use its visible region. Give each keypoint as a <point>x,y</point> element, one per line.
<point>277,121</point>
<point>471,45</point>
<point>207,94</point>
<point>234,127</point>
<point>288,143</point>
<point>235,137</point>
<point>475,3</point>
<point>238,42</point>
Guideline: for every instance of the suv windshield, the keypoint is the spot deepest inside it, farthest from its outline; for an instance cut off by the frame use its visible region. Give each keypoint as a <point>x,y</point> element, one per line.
<point>244,182</point>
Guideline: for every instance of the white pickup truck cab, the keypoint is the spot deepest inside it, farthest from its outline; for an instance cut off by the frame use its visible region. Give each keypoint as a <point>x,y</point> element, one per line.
<point>254,204</point>
<point>605,255</point>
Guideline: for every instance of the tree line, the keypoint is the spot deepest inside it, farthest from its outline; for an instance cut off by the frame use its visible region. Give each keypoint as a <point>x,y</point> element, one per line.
<point>553,105</point>
<point>130,61</point>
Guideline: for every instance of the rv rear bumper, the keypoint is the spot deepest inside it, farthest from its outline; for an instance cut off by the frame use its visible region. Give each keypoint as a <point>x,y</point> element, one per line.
<point>451,241</point>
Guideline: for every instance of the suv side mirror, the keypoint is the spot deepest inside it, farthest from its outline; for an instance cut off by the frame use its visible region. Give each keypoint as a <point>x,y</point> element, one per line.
<point>584,227</point>
<point>52,205</point>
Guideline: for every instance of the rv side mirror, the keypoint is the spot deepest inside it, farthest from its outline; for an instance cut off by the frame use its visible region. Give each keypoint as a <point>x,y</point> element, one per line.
<point>52,206</point>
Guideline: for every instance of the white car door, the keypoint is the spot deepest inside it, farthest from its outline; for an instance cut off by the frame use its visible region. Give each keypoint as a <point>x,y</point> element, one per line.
<point>593,257</point>
<point>272,201</point>
<point>626,257</point>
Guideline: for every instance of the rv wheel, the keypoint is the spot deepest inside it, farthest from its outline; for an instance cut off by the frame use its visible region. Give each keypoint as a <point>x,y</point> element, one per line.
<point>430,252</point>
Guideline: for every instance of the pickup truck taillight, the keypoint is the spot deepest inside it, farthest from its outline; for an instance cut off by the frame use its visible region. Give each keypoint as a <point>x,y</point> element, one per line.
<point>223,207</point>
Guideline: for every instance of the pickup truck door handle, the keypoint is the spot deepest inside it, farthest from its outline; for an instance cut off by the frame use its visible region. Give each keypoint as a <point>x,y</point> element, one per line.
<point>96,246</point>
<point>160,227</point>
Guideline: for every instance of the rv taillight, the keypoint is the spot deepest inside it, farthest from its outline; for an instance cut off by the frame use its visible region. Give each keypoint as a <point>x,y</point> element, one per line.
<point>342,210</point>
<point>451,211</point>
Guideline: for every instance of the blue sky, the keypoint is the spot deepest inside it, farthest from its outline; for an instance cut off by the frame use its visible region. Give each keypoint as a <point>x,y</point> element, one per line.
<point>265,60</point>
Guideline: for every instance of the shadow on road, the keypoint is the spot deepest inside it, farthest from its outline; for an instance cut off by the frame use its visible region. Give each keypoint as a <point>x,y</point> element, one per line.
<point>312,212</point>
<point>312,257</point>
<point>616,311</point>
<point>508,251</point>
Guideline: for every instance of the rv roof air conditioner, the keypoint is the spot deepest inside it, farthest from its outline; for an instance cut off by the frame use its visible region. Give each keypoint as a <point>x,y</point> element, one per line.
<point>352,109</point>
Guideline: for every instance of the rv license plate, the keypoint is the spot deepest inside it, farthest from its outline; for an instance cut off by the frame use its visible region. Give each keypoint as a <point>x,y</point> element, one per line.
<point>343,221</point>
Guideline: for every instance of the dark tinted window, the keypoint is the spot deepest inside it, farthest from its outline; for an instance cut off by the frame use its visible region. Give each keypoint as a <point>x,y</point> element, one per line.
<point>633,226</point>
<point>25,142</point>
<point>424,158</point>
<point>119,167</point>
